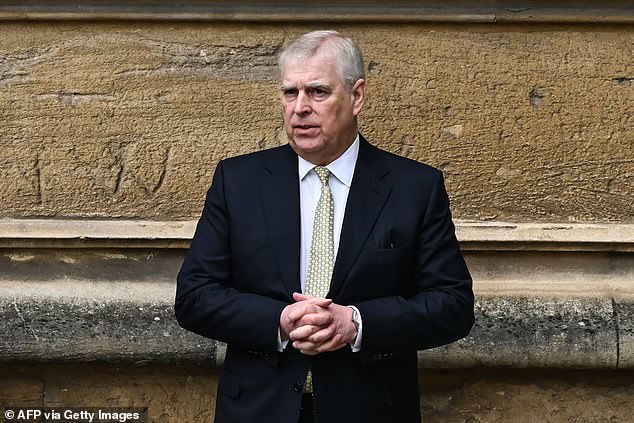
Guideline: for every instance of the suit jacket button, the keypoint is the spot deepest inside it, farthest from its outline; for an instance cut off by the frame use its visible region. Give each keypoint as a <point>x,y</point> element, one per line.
<point>297,387</point>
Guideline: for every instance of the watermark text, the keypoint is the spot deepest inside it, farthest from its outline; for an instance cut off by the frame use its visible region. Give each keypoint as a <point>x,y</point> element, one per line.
<point>74,415</point>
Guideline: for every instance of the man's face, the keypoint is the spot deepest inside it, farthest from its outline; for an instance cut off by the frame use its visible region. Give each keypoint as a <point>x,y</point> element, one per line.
<point>319,114</point>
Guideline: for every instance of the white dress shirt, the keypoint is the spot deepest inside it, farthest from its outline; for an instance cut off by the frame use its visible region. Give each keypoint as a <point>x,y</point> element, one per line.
<point>341,172</point>
<point>340,179</point>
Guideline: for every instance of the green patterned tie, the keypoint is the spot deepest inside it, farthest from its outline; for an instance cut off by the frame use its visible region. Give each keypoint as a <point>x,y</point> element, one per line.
<point>322,257</point>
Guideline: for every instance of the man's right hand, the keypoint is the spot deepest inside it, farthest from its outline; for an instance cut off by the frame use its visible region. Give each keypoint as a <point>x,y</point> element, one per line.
<point>316,325</point>
<point>310,311</point>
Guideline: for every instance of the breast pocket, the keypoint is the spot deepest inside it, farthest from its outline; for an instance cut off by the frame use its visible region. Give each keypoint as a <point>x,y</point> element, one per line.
<point>394,268</point>
<point>393,255</point>
<point>388,255</point>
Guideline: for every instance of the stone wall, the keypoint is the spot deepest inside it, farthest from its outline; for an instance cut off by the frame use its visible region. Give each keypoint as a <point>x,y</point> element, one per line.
<point>175,394</point>
<point>129,119</point>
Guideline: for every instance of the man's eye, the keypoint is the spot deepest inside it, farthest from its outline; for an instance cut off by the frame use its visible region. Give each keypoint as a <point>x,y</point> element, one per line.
<point>289,93</point>
<point>319,93</point>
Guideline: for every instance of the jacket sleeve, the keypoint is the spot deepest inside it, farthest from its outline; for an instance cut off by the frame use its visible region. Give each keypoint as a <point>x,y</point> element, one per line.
<point>206,302</point>
<point>439,308</point>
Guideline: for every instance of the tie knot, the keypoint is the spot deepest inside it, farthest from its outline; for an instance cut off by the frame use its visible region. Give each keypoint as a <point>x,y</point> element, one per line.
<point>322,172</point>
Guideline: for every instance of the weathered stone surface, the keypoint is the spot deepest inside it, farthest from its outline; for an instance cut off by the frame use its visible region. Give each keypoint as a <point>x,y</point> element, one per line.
<point>120,120</point>
<point>177,393</point>
<point>170,393</point>
<point>112,120</point>
<point>552,273</point>
<point>116,305</point>
<point>535,332</point>
<point>84,330</point>
<point>526,396</point>
<point>117,323</point>
<point>75,273</point>
<point>624,313</point>
<point>93,305</point>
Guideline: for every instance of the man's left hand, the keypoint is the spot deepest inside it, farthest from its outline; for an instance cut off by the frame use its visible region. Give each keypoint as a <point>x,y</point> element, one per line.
<point>311,338</point>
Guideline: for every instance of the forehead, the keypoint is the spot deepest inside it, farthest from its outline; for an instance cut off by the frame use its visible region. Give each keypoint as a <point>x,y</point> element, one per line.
<point>307,70</point>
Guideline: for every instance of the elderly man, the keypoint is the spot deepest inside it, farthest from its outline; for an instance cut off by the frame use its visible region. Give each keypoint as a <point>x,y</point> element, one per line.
<point>324,264</point>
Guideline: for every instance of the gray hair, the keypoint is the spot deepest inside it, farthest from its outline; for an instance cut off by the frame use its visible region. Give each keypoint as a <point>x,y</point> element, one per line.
<point>341,50</point>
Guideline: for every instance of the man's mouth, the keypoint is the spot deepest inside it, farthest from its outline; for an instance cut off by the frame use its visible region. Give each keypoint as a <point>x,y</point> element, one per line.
<point>305,130</point>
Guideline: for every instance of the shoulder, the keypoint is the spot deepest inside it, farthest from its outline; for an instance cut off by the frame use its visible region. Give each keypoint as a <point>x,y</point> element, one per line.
<point>257,159</point>
<point>413,184</point>
<point>245,172</point>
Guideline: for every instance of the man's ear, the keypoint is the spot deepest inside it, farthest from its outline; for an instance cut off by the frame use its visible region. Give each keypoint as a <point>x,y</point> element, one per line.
<point>358,96</point>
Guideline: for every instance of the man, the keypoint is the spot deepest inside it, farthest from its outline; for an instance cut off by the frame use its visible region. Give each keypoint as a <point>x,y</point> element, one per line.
<point>324,264</point>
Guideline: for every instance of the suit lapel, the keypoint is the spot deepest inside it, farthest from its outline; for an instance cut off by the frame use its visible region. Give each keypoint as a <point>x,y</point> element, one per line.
<point>368,194</point>
<point>279,188</point>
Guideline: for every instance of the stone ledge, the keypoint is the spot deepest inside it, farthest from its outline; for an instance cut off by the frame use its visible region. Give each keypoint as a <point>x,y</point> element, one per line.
<point>46,330</point>
<point>62,233</point>
<point>542,332</point>
<point>509,332</point>
<point>78,291</point>
<point>507,236</point>
<point>476,236</point>
<point>326,11</point>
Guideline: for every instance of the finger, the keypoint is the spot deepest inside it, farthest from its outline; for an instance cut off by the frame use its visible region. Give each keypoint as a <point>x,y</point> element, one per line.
<point>299,310</point>
<point>315,319</point>
<point>332,345</point>
<point>310,348</point>
<point>322,302</point>
<point>303,332</point>
<point>321,336</point>
<point>293,316</point>
<point>298,296</point>
<point>304,346</point>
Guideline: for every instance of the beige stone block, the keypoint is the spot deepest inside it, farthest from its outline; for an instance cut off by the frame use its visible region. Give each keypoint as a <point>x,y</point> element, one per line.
<point>527,396</point>
<point>20,388</point>
<point>187,393</point>
<point>129,119</point>
<point>170,393</point>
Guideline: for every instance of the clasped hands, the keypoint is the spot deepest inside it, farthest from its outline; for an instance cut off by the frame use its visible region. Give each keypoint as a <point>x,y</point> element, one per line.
<point>315,325</point>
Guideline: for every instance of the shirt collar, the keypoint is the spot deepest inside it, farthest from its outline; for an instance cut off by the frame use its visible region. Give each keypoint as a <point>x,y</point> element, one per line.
<point>342,167</point>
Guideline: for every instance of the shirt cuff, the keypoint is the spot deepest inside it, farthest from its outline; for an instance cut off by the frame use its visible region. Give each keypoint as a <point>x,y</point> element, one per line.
<point>356,345</point>
<point>281,345</point>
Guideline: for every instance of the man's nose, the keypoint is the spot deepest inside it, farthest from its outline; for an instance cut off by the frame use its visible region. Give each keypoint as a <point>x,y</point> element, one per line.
<point>302,104</point>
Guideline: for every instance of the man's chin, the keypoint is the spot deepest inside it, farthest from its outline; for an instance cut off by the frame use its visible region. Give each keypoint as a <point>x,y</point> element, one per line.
<point>307,145</point>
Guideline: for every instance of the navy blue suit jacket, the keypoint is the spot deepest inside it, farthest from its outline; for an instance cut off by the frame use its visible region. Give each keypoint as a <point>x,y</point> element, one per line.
<point>398,262</point>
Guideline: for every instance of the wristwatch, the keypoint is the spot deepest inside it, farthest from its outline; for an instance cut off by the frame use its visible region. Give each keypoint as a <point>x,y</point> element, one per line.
<point>356,318</point>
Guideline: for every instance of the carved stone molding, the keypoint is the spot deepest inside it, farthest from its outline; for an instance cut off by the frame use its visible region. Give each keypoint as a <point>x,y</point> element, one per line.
<point>484,11</point>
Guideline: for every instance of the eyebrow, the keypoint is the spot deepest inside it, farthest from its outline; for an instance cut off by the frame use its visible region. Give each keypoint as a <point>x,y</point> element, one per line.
<point>319,85</point>
<point>311,85</point>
